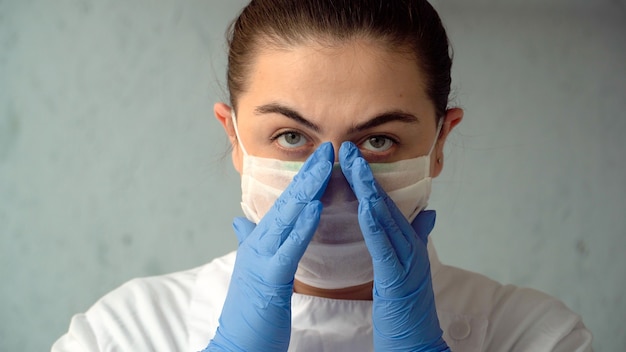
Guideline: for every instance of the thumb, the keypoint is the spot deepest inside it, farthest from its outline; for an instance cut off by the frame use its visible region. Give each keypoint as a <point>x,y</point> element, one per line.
<point>243,227</point>
<point>424,223</point>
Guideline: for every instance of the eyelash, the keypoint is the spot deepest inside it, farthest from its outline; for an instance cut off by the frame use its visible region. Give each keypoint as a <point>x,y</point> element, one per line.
<point>372,154</point>
<point>392,139</point>
<point>280,134</point>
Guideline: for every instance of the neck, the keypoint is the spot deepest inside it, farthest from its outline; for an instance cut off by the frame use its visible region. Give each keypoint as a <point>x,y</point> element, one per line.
<point>358,293</point>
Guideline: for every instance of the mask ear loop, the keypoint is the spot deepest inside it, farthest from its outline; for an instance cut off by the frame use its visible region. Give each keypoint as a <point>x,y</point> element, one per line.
<point>234,117</point>
<point>439,126</point>
<point>432,147</point>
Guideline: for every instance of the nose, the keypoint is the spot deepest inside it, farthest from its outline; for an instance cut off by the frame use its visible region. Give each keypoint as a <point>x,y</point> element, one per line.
<point>336,147</point>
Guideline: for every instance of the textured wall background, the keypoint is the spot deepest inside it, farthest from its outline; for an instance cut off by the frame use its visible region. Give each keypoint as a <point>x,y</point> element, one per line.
<point>111,164</point>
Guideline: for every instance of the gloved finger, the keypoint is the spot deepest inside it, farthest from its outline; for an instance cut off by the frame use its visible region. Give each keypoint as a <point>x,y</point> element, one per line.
<point>404,227</point>
<point>358,175</point>
<point>384,258</point>
<point>292,250</point>
<point>424,223</point>
<point>379,222</point>
<point>361,179</point>
<point>243,227</point>
<point>308,185</point>
<point>401,233</point>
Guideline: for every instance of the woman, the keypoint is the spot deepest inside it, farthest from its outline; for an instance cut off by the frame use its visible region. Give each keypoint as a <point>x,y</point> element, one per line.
<point>338,115</point>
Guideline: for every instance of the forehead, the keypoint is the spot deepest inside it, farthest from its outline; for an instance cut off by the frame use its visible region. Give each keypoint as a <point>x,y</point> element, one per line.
<point>349,81</point>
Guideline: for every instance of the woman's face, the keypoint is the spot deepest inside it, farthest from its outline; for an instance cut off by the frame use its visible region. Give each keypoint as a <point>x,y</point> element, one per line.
<point>303,96</point>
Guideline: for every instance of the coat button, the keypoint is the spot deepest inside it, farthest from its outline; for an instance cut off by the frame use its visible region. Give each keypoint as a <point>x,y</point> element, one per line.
<point>460,330</point>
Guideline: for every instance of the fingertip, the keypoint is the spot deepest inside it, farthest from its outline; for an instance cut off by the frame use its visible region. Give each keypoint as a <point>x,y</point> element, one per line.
<point>325,157</point>
<point>326,151</point>
<point>432,216</point>
<point>352,162</point>
<point>242,227</point>
<point>239,224</point>
<point>345,147</point>
<point>236,223</point>
<point>424,223</point>
<point>428,217</point>
<point>348,151</point>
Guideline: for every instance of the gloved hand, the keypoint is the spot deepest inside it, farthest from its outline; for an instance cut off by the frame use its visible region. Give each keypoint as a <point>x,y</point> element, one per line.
<point>403,312</point>
<point>257,312</point>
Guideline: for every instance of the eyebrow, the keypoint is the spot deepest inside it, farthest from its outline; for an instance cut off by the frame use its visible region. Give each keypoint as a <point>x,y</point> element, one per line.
<point>386,117</point>
<point>288,112</point>
<point>380,119</point>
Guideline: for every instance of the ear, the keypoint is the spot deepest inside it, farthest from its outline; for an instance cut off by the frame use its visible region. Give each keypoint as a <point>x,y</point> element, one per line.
<point>223,114</point>
<point>451,120</point>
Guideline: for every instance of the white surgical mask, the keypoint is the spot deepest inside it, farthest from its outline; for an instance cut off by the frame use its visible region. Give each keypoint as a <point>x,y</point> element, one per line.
<point>337,256</point>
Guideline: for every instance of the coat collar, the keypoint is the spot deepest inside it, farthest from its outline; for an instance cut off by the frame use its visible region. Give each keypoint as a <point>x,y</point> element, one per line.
<point>210,291</point>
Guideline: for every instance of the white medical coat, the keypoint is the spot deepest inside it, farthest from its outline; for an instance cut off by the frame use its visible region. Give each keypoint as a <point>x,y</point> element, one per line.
<point>180,311</point>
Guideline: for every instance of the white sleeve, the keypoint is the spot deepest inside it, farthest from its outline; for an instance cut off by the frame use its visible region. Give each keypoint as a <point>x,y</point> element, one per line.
<point>148,314</point>
<point>578,340</point>
<point>80,337</point>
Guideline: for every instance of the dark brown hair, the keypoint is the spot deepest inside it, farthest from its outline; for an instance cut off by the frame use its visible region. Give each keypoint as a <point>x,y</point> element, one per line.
<point>406,26</point>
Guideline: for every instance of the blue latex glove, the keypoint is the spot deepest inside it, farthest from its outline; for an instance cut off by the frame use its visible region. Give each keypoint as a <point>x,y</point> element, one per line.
<point>403,312</point>
<point>257,312</point>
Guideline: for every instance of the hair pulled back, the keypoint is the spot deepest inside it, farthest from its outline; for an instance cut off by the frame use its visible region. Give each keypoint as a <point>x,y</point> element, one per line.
<point>406,26</point>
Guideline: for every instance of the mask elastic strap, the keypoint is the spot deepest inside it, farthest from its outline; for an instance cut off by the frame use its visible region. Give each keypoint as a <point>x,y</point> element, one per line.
<point>439,126</point>
<point>234,117</point>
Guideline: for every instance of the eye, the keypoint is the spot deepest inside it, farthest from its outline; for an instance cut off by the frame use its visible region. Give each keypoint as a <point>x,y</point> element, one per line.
<point>291,139</point>
<point>378,144</point>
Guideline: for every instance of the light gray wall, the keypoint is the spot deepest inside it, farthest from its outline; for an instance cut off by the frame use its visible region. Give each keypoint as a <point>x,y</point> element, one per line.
<point>535,189</point>
<point>112,166</point>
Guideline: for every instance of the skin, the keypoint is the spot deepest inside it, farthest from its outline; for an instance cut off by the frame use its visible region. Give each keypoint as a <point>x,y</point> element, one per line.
<point>358,91</point>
